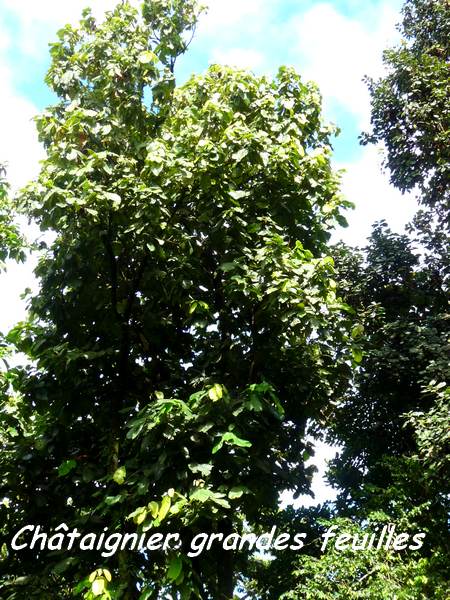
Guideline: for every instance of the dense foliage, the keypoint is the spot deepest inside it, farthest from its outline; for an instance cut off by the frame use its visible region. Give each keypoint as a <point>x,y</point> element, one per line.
<point>187,325</point>
<point>194,325</point>
<point>365,575</point>
<point>393,420</point>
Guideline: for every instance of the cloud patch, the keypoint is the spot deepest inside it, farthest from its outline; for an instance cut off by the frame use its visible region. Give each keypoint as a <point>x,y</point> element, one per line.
<point>243,58</point>
<point>365,185</point>
<point>337,52</point>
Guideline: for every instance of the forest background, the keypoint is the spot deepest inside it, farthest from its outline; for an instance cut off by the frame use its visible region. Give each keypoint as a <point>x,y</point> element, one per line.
<point>163,382</point>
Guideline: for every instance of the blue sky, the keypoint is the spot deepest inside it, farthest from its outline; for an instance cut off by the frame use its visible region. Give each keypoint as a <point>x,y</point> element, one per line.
<point>333,42</point>
<point>260,34</point>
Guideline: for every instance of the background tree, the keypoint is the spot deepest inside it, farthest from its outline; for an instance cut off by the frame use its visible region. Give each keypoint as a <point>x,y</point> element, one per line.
<point>410,106</point>
<point>410,115</point>
<point>187,325</point>
<point>393,420</point>
<point>393,429</point>
<point>405,346</point>
<point>406,341</point>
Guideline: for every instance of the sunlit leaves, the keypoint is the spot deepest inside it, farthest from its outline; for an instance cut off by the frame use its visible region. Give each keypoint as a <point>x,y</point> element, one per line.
<point>231,439</point>
<point>99,580</point>
<point>120,475</point>
<point>147,57</point>
<point>216,392</point>
<point>164,508</point>
<point>188,323</point>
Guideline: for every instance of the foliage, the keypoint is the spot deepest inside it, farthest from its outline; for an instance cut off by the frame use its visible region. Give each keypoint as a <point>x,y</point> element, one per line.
<point>11,242</point>
<point>188,324</point>
<point>433,435</point>
<point>402,304</point>
<point>410,107</point>
<point>367,574</point>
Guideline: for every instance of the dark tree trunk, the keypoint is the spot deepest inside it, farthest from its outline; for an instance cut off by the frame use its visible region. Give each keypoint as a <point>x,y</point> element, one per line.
<point>225,571</point>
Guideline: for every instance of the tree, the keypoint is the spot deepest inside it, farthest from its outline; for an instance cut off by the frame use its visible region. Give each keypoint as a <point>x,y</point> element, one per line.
<point>392,421</point>
<point>393,430</point>
<point>367,574</point>
<point>410,115</point>
<point>402,304</point>
<point>410,106</point>
<point>187,325</point>
<point>11,243</point>
<point>405,346</point>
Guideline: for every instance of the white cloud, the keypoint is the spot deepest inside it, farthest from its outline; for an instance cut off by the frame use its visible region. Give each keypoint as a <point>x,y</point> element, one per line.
<point>227,15</point>
<point>375,199</point>
<point>19,146</point>
<point>38,22</point>
<point>237,57</point>
<point>337,52</point>
<point>55,11</point>
<point>226,24</point>
<point>5,40</point>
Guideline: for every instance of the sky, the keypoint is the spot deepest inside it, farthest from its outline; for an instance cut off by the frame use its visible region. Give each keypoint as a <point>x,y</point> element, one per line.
<point>334,43</point>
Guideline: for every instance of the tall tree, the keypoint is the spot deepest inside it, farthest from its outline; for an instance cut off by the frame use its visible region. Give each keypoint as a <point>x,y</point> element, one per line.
<point>406,339</point>
<point>411,116</point>
<point>393,420</point>
<point>410,106</point>
<point>187,325</point>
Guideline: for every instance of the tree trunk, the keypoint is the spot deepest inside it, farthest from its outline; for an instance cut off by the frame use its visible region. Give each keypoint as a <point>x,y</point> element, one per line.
<point>225,563</point>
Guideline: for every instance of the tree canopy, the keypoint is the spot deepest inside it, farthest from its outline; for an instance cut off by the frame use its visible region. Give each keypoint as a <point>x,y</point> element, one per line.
<point>194,326</point>
<point>187,325</point>
<point>410,105</point>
